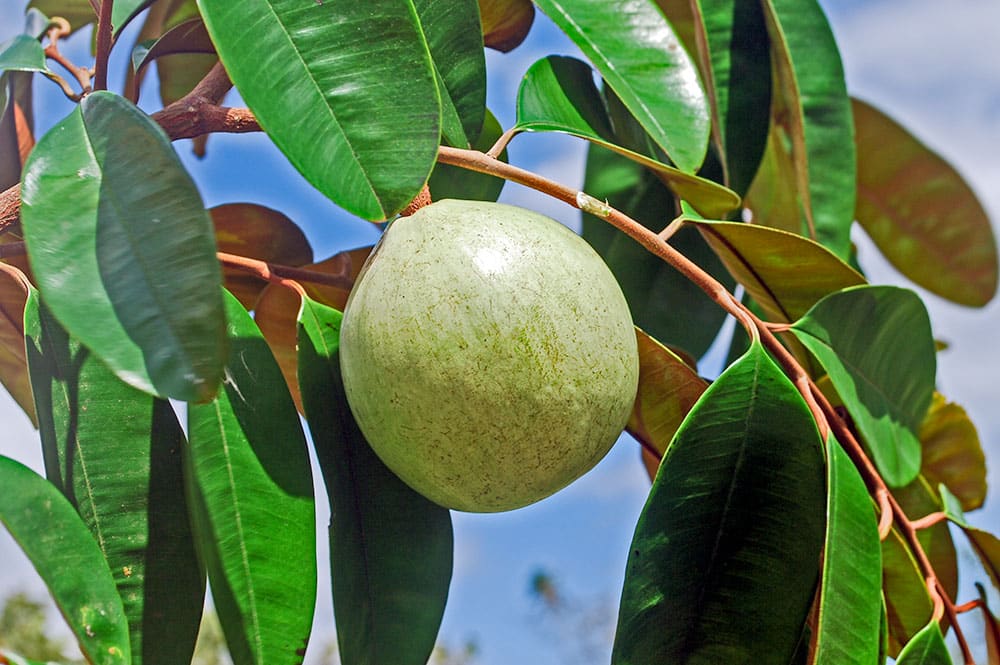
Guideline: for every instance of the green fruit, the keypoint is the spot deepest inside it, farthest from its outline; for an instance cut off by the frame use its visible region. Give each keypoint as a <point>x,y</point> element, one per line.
<point>488,355</point>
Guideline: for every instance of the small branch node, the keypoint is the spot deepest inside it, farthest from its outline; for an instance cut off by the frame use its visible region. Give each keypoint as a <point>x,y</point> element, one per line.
<point>588,203</point>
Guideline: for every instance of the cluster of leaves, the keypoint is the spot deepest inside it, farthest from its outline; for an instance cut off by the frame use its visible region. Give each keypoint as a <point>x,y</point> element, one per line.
<point>760,541</point>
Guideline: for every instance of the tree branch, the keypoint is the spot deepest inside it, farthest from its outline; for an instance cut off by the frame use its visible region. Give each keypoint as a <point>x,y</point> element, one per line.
<point>105,32</point>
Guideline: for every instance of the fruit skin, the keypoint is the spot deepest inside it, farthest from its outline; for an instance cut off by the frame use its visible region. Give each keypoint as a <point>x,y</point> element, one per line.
<point>488,355</point>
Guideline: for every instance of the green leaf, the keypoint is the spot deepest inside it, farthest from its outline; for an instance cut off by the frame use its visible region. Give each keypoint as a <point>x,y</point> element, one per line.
<point>875,342</point>
<point>668,389</point>
<point>850,602</point>
<point>188,36</point>
<point>255,519</point>
<point>79,13</point>
<point>22,53</point>
<point>738,58</point>
<point>920,212</point>
<point>347,92</point>
<point>725,558</point>
<point>115,452</point>
<point>921,498</point>
<point>454,38</point>
<point>644,63</point>
<point>126,262</point>
<point>663,303</point>
<point>390,548</point>
<point>68,560</point>
<point>452,182</point>
<point>810,78</point>
<point>558,94</point>
<point>908,607</point>
<point>952,506</point>
<point>785,273</point>
<point>123,11</point>
<point>926,648</point>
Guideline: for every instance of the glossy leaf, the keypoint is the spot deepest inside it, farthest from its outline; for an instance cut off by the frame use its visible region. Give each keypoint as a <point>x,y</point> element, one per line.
<point>773,199</point>
<point>920,498</point>
<point>126,263</point>
<point>952,453</point>
<point>390,548</point>
<point>60,546</point>
<point>784,273</point>
<point>883,370</point>
<point>926,648</point>
<point>850,602</point>
<point>330,66</point>
<point>725,557</point>
<point>13,362</point>
<point>920,212</point>
<point>558,94</point>
<point>908,607</point>
<point>505,23</point>
<point>452,31</point>
<point>257,232</point>
<point>663,303</point>
<point>810,78</point>
<point>668,389</point>
<point>22,53</point>
<point>452,182</point>
<point>255,522</point>
<point>115,452</point>
<point>644,63</point>
<point>277,310</point>
<point>735,37</point>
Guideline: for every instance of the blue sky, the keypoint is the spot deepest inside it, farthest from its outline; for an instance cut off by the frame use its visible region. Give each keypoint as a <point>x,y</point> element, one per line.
<point>934,66</point>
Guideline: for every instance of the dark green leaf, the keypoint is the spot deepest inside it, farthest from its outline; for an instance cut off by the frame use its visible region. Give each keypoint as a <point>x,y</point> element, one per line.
<point>452,182</point>
<point>810,78</point>
<point>908,607</point>
<point>22,53</point>
<point>390,548</point>
<point>123,11</point>
<point>875,342</point>
<point>347,92</point>
<point>921,498</point>
<point>735,37</point>
<point>850,603</point>
<point>255,515</point>
<point>725,558</point>
<point>642,60</point>
<point>558,94</point>
<point>926,648</point>
<point>68,560</point>
<point>115,452</point>
<point>455,41</point>
<point>921,213</point>
<point>126,261</point>
<point>663,303</point>
<point>189,36</point>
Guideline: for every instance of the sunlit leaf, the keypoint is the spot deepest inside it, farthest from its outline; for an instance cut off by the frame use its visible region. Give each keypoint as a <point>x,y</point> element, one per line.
<point>115,452</point>
<point>255,519</point>
<point>921,213</point>
<point>952,453</point>
<point>725,557</point>
<point>883,370</point>
<point>347,92</point>
<point>850,606</point>
<point>390,548</point>
<point>926,648</point>
<point>505,23</point>
<point>59,545</point>
<point>22,53</point>
<point>126,262</point>
<point>253,231</point>
<point>664,303</point>
<point>277,310</point>
<point>558,94</point>
<point>644,63</point>
<point>810,78</point>
<point>668,388</point>
<point>784,273</point>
